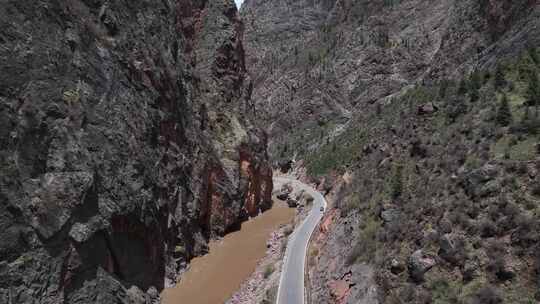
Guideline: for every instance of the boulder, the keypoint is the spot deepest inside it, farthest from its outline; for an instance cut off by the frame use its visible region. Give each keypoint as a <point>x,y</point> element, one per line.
<point>447,244</point>
<point>396,267</point>
<point>532,171</point>
<point>283,196</point>
<point>292,203</point>
<point>490,188</point>
<point>451,248</point>
<point>153,293</point>
<point>136,296</point>
<point>82,232</point>
<point>474,180</point>
<point>285,165</point>
<point>419,264</point>
<point>427,109</point>
<point>390,216</point>
<point>284,192</point>
<point>470,270</point>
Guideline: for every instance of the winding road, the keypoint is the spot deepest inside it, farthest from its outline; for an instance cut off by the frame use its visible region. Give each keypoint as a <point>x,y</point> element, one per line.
<point>291,285</point>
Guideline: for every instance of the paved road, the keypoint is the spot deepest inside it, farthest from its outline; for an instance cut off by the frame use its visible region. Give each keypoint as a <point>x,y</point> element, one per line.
<point>291,284</point>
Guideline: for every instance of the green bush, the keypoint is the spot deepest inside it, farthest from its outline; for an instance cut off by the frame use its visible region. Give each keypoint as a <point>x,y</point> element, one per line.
<point>444,292</point>
<point>349,205</point>
<point>268,271</point>
<point>365,250</point>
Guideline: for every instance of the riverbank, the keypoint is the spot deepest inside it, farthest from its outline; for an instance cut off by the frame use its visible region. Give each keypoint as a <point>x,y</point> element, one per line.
<point>214,277</point>
<point>262,285</point>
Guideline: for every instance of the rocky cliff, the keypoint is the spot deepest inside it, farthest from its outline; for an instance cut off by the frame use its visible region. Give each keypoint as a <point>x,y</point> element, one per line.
<point>126,142</point>
<point>419,119</point>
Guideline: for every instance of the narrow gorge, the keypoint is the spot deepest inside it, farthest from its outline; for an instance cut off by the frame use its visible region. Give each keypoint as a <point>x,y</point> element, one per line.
<point>134,133</point>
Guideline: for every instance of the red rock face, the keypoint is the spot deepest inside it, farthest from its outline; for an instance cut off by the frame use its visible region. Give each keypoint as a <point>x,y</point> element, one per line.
<point>340,289</point>
<point>255,186</point>
<point>259,188</point>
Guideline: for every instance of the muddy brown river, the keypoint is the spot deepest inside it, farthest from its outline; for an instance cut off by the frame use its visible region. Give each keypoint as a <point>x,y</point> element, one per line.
<point>214,277</point>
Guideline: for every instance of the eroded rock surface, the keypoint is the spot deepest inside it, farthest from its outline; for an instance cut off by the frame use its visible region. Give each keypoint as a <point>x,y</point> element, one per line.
<point>126,142</point>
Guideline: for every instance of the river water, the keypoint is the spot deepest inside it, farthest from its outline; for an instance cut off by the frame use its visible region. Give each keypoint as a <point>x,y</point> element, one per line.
<point>214,277</point>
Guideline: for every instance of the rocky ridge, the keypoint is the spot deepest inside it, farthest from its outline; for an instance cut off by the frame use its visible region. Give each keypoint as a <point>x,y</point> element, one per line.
<point>422,117</point>
<point>316,62</point>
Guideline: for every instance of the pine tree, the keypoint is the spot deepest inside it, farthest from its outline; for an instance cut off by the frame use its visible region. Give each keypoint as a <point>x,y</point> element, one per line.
<point>500,81</point>
<point>396,182</point>
<point>475,85</point>
<point>534,55</point>
<point>443,89</point>
<point>475,95</point>
<point>504,115</point>
<point>462,89</point>
<point>526,115</point>
<point>533,90</point>
<point>476,81</point>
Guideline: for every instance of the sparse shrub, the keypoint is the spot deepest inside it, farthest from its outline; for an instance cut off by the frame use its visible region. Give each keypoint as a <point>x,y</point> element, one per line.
<point>444,291</point>
<point>522,168</point>
<point>458,217</point>
<point>511,210</point>
<point>354,255</point>
<point>456,108</point>
<point>288,230</point>
<point>504,223</point>
<point>487,295</point>
<point>487,228</point>
<point>493,211</point>
<point>407,293</point>
<point>71,96</point>
<point>270,295</point>
<point>526,233</point>
<point>418,149</point>
<point>366,247</point>
<point>180,250</point>
<point>349,206</point>
<point>496,251</point>
<point>536,190</point>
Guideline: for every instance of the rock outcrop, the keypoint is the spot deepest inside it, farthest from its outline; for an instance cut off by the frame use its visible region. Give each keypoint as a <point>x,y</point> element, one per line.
<point>126,142</point>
